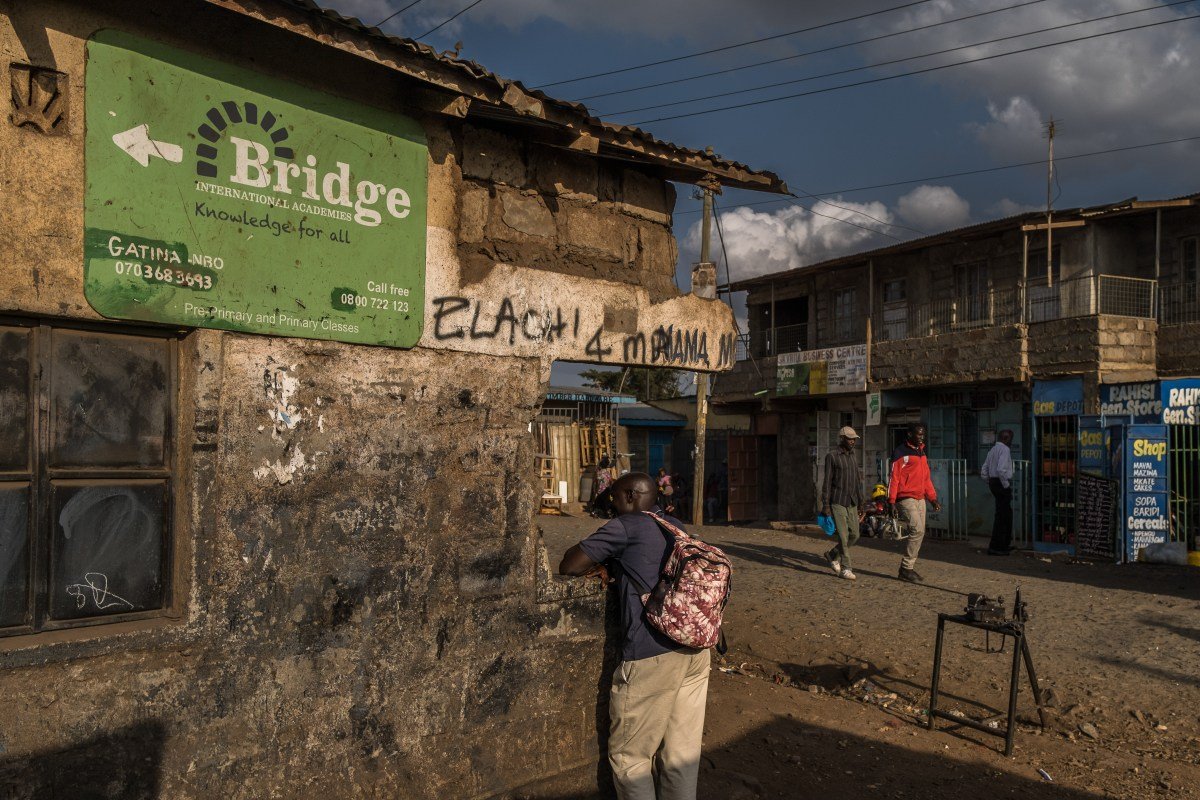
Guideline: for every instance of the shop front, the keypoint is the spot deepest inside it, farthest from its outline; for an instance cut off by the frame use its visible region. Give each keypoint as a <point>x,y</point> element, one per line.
<point>1152,430</point>
<point>962,425</point>
<point>1057,411</point>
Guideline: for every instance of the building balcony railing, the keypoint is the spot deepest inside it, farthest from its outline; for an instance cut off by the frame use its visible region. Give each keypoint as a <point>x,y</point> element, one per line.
<point>1179,304</point>
<point>1090,295</point>
<point>988,309</point>
<point>773,341</point>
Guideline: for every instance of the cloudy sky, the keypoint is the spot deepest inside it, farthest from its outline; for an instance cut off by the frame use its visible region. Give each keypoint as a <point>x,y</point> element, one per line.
<point>1131,87</point>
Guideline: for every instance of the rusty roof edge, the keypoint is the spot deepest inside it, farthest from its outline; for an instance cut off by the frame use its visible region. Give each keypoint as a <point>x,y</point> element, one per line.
<point>469,79</point>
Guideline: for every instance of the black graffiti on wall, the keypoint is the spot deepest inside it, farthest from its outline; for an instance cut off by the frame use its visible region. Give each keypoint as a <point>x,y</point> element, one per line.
<point>457,317</point>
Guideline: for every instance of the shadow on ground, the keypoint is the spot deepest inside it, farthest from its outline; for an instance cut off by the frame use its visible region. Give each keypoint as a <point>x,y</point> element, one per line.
<point>788,758</point>
<point>1150,578</point>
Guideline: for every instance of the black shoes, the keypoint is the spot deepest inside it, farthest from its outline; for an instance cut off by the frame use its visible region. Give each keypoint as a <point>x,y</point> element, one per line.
<point>910,575</point>
<point>994,552</point>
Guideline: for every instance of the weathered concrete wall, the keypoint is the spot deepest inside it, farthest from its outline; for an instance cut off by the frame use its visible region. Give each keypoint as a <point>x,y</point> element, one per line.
<point>1103,345</point>
<point>1178,355</point>
<point>984,354</point>
<point>797,494</point>
<point>362,606</point>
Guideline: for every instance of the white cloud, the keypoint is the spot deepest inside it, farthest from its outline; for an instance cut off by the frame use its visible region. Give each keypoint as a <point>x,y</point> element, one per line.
<point>762,242</point>
<point>934,208</point>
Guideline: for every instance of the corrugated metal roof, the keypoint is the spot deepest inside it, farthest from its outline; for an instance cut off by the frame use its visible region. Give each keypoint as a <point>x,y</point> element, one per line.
<point>523,103</point>
<point>645,414</point>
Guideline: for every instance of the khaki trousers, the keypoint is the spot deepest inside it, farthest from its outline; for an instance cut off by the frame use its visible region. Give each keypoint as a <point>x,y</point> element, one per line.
<point>657,710</point>
<point>913,510</point>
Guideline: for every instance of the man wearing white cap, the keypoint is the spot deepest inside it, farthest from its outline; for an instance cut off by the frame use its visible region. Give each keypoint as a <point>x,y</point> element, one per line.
<point>841,497</point>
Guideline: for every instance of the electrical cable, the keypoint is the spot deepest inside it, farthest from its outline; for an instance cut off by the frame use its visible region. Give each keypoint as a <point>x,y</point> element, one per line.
<point>889,62</point>
<point>916,72</point>
<point>1038,162</point>
<point>964,173</point>
<point>734,46</point>
<point>397,13</point>
<point>811,210</point>
<point>448,21</point>
<point>810,52</point>
<point>860,213</point>
<point>729,293</point>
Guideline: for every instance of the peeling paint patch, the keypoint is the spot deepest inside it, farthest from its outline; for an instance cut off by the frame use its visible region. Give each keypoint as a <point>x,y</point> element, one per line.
<point>283,472</point>
<point>279,386</point>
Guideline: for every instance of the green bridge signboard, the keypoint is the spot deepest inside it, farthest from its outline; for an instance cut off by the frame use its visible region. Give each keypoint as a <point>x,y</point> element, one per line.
<point>220,198</point>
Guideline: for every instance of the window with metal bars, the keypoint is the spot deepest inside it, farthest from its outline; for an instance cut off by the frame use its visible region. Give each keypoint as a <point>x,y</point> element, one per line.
<point>1058,444</point>
<point>86,477</point>
<point>1185,484</point>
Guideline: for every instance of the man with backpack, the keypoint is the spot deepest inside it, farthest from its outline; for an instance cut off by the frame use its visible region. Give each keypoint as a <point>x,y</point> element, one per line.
<point>660,687</point>
<point>909,487</point>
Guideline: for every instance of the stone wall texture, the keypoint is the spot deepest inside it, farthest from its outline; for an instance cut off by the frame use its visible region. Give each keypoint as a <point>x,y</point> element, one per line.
<point>1178,354</point>
<point>362,606</point>
<point>980,355</point>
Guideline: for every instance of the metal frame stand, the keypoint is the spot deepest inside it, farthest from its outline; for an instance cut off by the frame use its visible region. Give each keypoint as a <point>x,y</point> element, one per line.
<point>1016,630</point>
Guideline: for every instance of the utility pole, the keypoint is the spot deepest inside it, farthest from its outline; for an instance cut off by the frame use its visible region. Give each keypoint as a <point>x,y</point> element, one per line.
<point>704,284</point>
<point>1049,202</point>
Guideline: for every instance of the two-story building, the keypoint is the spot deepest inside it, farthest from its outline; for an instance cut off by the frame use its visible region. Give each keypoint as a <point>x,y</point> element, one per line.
<point>972,331</point>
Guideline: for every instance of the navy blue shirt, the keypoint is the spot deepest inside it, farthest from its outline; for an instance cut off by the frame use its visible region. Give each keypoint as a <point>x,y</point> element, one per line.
<point>634,545</point>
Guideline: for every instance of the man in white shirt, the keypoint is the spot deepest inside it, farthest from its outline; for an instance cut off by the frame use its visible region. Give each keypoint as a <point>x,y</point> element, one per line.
<point>997,470</point>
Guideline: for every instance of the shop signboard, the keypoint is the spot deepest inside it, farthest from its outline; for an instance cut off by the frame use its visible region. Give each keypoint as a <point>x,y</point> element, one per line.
<point>1058,398</point>
<point>831,370</point>
<point>874,409</point>
<point>1181,402</point>
<point>222,198</point>
<point>1140,403</point>
<point>1093,455</point>
<point>1147,516</point>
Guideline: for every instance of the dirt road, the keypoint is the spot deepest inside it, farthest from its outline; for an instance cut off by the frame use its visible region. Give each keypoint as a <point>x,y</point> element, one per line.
<point>823,691</point>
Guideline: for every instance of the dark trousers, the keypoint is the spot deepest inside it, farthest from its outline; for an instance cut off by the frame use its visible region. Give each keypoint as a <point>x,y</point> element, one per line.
<point>1003,522</point>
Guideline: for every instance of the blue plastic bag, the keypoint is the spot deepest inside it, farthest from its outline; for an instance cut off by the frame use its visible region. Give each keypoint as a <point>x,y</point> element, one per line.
<point>826,523</point>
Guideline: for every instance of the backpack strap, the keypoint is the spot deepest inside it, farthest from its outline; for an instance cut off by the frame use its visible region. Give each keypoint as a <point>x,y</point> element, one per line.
<point>671,528</point>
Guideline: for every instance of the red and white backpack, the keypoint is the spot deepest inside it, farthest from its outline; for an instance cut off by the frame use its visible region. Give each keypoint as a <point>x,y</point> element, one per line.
<point>689,599</point>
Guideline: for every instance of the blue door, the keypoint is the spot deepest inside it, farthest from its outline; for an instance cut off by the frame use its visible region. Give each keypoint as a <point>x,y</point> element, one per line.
<point>659,451</point>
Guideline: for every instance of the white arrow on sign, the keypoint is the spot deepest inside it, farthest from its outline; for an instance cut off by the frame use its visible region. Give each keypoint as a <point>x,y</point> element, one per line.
<point>137,143</point>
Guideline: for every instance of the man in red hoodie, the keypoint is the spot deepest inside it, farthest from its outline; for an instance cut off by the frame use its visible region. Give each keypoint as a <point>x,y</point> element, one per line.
<point>909,487</point>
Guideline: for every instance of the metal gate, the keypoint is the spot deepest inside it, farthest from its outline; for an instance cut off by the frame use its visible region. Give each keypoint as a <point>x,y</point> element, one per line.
<point>950,481</point>
<point>1054,479</point>
<point>1022,503</point>
<point>743,478</point>
<point>1185,484</point>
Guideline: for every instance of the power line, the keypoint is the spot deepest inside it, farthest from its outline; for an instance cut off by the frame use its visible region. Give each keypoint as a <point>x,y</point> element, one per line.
<point>860,213</point>
<point>1039,162</point>
<point>397,13</point>
<point>810,52</point>
<point>897,60</point>
<point>916,72</point>
<point>448,21</point>
<point>812,210</point>
<point>964,173</point>
<point>733,46</point>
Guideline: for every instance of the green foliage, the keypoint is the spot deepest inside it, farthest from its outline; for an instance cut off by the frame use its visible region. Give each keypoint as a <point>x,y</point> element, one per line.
<point>644,384</point>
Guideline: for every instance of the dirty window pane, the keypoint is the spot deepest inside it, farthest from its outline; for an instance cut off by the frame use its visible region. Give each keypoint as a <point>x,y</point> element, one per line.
<point>14,399</point>
<point>109,400</point>
<point>107,548</point>
<point>14,553</point>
